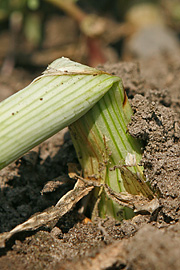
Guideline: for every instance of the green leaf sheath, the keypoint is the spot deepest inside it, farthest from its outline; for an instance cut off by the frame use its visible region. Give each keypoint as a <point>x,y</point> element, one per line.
<point>95,107</point>
<point>101,141</point>
<point>47,105</point>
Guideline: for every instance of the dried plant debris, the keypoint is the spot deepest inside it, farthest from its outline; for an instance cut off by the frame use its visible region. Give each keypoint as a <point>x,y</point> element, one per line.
<point>138,203</point>
<point>50,217</point>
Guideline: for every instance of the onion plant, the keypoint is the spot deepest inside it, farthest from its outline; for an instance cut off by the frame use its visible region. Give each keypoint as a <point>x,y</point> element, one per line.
<point>94,105</point>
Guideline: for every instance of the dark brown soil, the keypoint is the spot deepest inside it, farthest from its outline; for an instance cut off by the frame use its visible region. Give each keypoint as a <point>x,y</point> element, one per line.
<point>39,179</point>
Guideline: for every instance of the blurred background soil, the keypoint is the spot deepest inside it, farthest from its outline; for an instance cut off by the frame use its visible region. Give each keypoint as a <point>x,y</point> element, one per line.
<point>138,41</point>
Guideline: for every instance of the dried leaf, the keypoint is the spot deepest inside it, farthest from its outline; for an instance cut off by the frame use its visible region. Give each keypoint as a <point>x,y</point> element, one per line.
<point>138,203</point>
<point>51,215</point>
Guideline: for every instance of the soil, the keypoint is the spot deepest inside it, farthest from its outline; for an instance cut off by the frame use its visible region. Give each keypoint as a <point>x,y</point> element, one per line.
<point>40,178</point>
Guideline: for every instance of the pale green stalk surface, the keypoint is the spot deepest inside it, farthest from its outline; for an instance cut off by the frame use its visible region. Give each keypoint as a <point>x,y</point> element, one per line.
<point>95,106</point>
<point>65,92</point>
<point>101,141</point>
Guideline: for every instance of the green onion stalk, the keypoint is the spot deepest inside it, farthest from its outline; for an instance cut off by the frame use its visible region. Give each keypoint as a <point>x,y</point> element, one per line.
<point>94,105</point>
